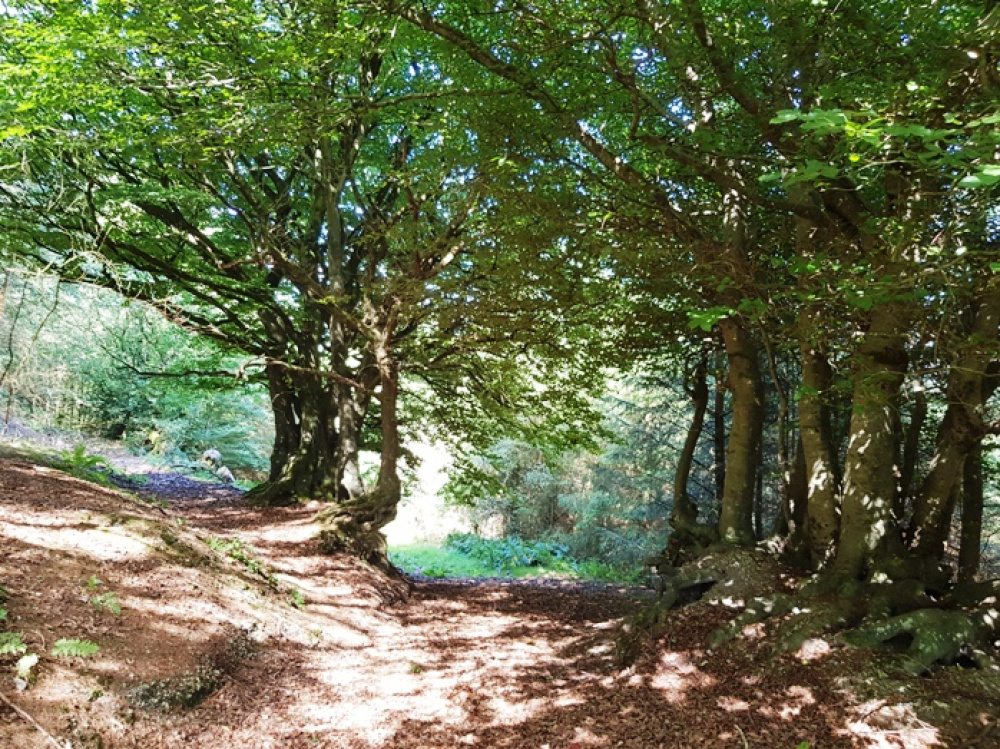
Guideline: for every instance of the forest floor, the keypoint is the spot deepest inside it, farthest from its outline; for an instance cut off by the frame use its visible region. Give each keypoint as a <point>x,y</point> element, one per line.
<point>234,632</point>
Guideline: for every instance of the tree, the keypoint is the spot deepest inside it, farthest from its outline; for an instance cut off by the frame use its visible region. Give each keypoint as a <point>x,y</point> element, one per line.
<point>293,182</point>
<point>737,131</point>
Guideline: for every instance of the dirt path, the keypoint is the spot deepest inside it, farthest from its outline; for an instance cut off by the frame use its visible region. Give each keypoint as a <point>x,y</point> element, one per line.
<point>496,664</point>
<point>459,663</point>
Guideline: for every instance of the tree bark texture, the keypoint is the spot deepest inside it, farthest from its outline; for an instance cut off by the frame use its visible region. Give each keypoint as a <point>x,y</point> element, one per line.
<point>960,432</point>
<point>685,513</point>
<point>822,467</point>
<point>687,532</point>
<point>911,449</point>
<point>719,430</point>
<point>970,548</point>
<point>743,451</point>
<point>867,519</point>
<point>355,525</point>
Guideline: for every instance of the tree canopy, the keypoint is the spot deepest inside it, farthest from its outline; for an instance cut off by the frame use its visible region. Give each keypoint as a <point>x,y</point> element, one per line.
<point>483,205</point>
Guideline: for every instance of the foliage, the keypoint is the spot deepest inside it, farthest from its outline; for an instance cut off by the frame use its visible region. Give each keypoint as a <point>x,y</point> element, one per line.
<point>108,602</point>
<point>83,359</point>
<point>12,644</point>
<point>610,503</point>
<point>235,549</point>
<point>506,553</point>
<point>449,561</point>
<point>79,463</point>
<point>68,648</point>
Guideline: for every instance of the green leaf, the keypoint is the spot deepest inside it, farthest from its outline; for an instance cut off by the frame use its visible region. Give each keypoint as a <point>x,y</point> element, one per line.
<point>707,319</point>
<point>108,601</point>
<point>74,648</point>
<point>12,644</point>
<point>787,115</point>
<point>981,179</point>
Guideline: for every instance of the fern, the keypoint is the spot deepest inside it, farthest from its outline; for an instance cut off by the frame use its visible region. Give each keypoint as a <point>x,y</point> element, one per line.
<point>79,460</point>
<point>12,644</point>
<point>107,601</point>
<point>80,464</point>
<point>74,648</point>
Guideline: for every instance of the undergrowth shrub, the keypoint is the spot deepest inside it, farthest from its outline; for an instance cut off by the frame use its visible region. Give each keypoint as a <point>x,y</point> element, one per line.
<point>506,554</point>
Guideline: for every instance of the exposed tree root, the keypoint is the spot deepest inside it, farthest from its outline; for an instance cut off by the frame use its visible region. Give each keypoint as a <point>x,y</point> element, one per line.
<point>907,603</point>
<point>815,619</point>
<point>936,636</point>
<point>756,611</point>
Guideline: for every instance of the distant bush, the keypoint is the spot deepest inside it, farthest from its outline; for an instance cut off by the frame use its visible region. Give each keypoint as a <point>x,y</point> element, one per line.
<point>506,554</point>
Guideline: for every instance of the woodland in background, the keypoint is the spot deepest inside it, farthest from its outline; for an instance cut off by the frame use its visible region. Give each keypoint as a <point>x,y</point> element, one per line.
<point>81,359</point>
<point>464,214</point>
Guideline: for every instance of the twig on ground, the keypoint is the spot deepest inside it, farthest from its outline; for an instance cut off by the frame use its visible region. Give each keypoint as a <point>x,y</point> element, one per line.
<point>746,744</point>
<point>32,721</point>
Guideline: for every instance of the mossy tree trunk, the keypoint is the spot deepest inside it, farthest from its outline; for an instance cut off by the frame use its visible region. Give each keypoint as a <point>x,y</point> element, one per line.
<point>355,524</point>
<point>822,469</point>
<point>867,520</point>
<point>317,423</point>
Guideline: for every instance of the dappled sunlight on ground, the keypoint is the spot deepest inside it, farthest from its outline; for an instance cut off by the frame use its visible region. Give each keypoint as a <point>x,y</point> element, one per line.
<point>488,664</point>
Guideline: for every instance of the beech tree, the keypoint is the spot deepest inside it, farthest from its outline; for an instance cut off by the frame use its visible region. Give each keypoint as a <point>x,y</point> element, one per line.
<point>292,181</point>
<point>802,156</point>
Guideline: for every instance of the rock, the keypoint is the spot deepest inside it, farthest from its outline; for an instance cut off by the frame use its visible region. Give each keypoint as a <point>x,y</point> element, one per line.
<point>211,457</point>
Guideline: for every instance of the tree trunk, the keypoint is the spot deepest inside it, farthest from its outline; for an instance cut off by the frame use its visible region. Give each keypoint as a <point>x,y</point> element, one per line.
<point>911,449</point>
<point>960,432</point>
<point>794,524</point>
<point>687,531</point>
<point>822,469</point>
<point>355,526</point>
<point>685,513</point>
<point>743,453</point>
<point>972,516</point>
<point>306,444</point>
<point>719,430</point>
<point>867,519</point>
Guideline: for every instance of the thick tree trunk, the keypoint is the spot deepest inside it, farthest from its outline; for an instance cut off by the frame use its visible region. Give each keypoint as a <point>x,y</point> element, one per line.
<point>286,420</point>
<point>793,523</point>
<point>972,516</point>
<point>743,453</point>
<point>304,459</point>
<point>822,469</point>
<point>355,526</point>
<point>867,520</point>
<point>960,432</point>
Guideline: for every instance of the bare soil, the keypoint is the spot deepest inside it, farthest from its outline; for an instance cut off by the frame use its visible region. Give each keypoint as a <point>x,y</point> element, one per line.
<point>287,648</point>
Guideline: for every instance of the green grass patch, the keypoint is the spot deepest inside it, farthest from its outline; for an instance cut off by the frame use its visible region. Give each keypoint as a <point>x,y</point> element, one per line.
<point>467,555</point>
<point>434,561</point>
